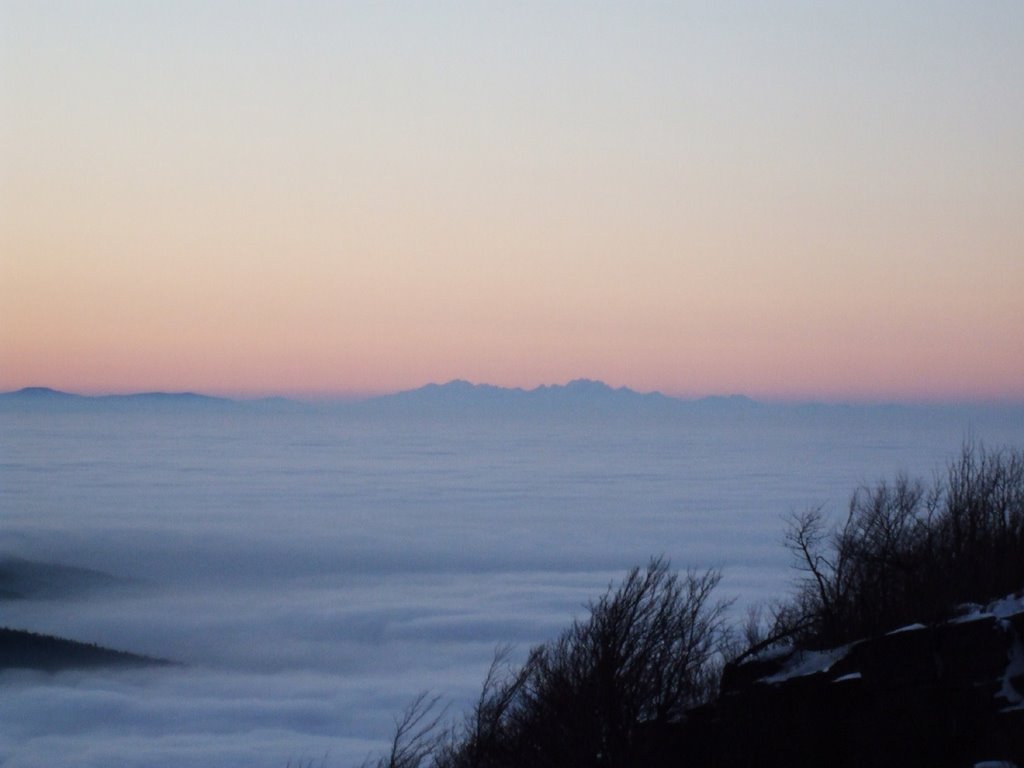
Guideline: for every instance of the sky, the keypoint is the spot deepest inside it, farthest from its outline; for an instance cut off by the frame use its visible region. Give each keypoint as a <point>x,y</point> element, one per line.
<point>786,200</point>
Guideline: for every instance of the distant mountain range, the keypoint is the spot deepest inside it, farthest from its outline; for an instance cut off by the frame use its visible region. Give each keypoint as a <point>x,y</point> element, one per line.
<point>582,396</point>
<point>45,394</point>
<point>49,398</point>
<point>578,396</point>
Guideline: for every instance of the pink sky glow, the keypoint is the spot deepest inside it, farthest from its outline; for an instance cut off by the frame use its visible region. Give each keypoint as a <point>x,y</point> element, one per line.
<point>799,204</point>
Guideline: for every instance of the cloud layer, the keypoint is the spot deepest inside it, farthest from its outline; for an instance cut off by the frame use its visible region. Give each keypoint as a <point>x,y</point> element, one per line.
<point>315,572</point>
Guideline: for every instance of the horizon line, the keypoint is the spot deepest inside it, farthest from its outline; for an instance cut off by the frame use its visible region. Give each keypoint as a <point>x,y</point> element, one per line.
<point>352,398</point>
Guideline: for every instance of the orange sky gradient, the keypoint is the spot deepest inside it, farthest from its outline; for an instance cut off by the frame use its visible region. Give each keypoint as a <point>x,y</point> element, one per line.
<point>803,204</point>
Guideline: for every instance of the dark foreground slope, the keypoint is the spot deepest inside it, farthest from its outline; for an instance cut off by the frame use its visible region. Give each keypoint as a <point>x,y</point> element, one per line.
<point>27,650</point>
<point>888,654</point>
<point>947,695</point>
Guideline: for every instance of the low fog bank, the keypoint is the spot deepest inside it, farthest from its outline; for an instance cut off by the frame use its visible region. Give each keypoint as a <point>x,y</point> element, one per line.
<point>315,571</point>
<point>270,674</point>
<point>187,717</point>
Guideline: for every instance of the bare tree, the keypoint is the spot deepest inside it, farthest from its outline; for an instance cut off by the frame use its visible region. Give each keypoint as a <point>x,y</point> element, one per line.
<point>649,650</point>
<point>647,653</point>
<point>906,553</point>
<point>483,739</point>
<point>417,734</point>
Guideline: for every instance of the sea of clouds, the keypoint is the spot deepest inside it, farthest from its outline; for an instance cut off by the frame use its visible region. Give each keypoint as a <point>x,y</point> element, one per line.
<point>313,571</point>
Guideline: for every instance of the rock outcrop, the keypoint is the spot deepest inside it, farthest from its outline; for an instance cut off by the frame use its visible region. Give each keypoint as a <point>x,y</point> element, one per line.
<point>946,695</point>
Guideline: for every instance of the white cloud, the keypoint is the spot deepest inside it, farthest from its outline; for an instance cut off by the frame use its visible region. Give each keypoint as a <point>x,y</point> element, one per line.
<point>314,578</point>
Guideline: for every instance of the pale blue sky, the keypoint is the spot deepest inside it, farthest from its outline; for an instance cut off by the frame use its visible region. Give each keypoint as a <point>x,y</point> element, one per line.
<point>360,197</point>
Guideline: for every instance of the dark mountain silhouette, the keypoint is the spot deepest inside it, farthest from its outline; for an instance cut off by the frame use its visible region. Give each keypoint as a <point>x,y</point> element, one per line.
<point>20,649</point>
<point>22,579</point>
<point>166,397</point>
<point>27,579</point>
<point>38,394</point>
<point>580,396</point>
<point>50,396</point>
<point>31,398</point>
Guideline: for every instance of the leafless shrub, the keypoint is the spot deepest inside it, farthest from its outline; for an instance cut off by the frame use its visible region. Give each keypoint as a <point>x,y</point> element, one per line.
<point>417,734</point>
<point>648,651</point>
<point>910,553</point>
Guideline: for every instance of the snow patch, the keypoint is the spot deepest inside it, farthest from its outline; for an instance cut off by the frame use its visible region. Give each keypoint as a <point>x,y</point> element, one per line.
<point>803,663</point>
<point>844,678</point>
<point>775,651</point>
<point>908,628</point>
<point>1007,606</point>
<point>1002,608</point>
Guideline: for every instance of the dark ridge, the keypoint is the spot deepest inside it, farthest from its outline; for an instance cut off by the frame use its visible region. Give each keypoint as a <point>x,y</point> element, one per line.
<point>27,579</point>
<point>34,399</point>
<point>901,658</point>
<point>47,395</point>
<point>42,398</point>
<point>165,397</point>
<point>20,649</point>
<point>38,393</point>
<point>579,396</point>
